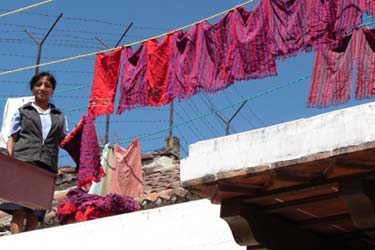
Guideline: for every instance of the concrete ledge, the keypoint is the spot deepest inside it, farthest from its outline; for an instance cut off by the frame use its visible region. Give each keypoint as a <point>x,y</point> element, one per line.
<point>266,147</point>
<point>191,226</point>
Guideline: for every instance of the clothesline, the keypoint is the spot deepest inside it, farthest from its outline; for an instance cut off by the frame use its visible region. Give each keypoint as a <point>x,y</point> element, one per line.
<point>25,8</point>
<point>267,91</point>
<point>126,45</point>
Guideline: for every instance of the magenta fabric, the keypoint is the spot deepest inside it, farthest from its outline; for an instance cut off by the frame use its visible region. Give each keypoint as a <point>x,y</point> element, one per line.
<point>104,84</point>
<point>90,168</point>
<point>133,86</point>
<point>348,16</point>
<point>82,145</point>
<point>180,67</point>
<point>245,44</point>
<point>365,78</point>
<point>80,206</point>
<point>332,73</point>
<point>320,19</point>
<point>288,26</point>
<point>207,59</point>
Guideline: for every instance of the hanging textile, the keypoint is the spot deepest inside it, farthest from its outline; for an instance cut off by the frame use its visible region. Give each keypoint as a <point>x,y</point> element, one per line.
<point>158,61</point>
<point>365,78</point>
<point>245,44</point>
<point>133,87</point>
<point>106,161</point>
<point>104,84</point>
<point>348,17</point>
<point>207,59</point>
<point>126,176</point>
<point>288,26</point>
<point>180,67</point>
<point>82,145</point>
<point>80,206</point>
<point>332,73</point>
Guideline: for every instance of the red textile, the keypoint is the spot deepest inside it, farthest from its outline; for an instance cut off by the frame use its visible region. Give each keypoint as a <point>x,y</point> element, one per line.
<point>82,145</point>
<point>332,74</point>
<point>80,206</point>
<point>104,84</point>
<point>158,61</point>
<point>365,78</point>
<point>72,142</point>
<point>126,177</point>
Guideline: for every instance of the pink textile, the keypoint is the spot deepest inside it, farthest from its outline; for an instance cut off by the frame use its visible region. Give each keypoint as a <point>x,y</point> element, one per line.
<point>365,78</point>
<point>332,74</point>
<point>104,84</point>
<point>126,177</point>
<point>82,145</point>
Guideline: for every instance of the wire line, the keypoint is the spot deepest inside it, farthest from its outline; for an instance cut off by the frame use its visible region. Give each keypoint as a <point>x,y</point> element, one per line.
<point>127,45</point>
<point>268,91</point>
<point>25,8</point>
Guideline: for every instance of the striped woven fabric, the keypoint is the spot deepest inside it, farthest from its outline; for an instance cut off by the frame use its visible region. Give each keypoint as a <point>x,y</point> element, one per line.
<point>82,145</point>
<point>246,47</point>
<point>332,73</point>
<point>133,88</point>
<point>365,78</point>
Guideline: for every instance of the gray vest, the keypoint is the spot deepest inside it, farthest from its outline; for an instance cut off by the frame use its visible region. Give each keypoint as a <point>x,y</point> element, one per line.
<point>30,146</point>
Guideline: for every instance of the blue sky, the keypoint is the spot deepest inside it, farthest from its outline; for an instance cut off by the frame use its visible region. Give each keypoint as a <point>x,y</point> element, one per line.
<point>75,33</point>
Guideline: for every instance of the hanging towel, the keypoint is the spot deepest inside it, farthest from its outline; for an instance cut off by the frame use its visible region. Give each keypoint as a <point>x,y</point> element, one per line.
<point>82,145</point>
<point>126,176</point>
<point>332,73</point>
<point>365,78</point>
<point>11,105</point>
<point>80,206</point>
<point>106,160</point>
<point>104,84</point>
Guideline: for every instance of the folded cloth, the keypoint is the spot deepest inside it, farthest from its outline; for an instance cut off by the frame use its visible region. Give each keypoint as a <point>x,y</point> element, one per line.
<point>80,206</point>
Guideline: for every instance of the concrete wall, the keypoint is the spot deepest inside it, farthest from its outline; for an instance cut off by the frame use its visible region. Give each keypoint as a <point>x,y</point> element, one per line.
<point>185,226</point>
<point>286,141</point>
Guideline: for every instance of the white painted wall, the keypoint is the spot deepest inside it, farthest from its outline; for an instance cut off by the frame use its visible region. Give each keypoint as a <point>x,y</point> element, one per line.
<point>286,141</point>
<point>186,226</point>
